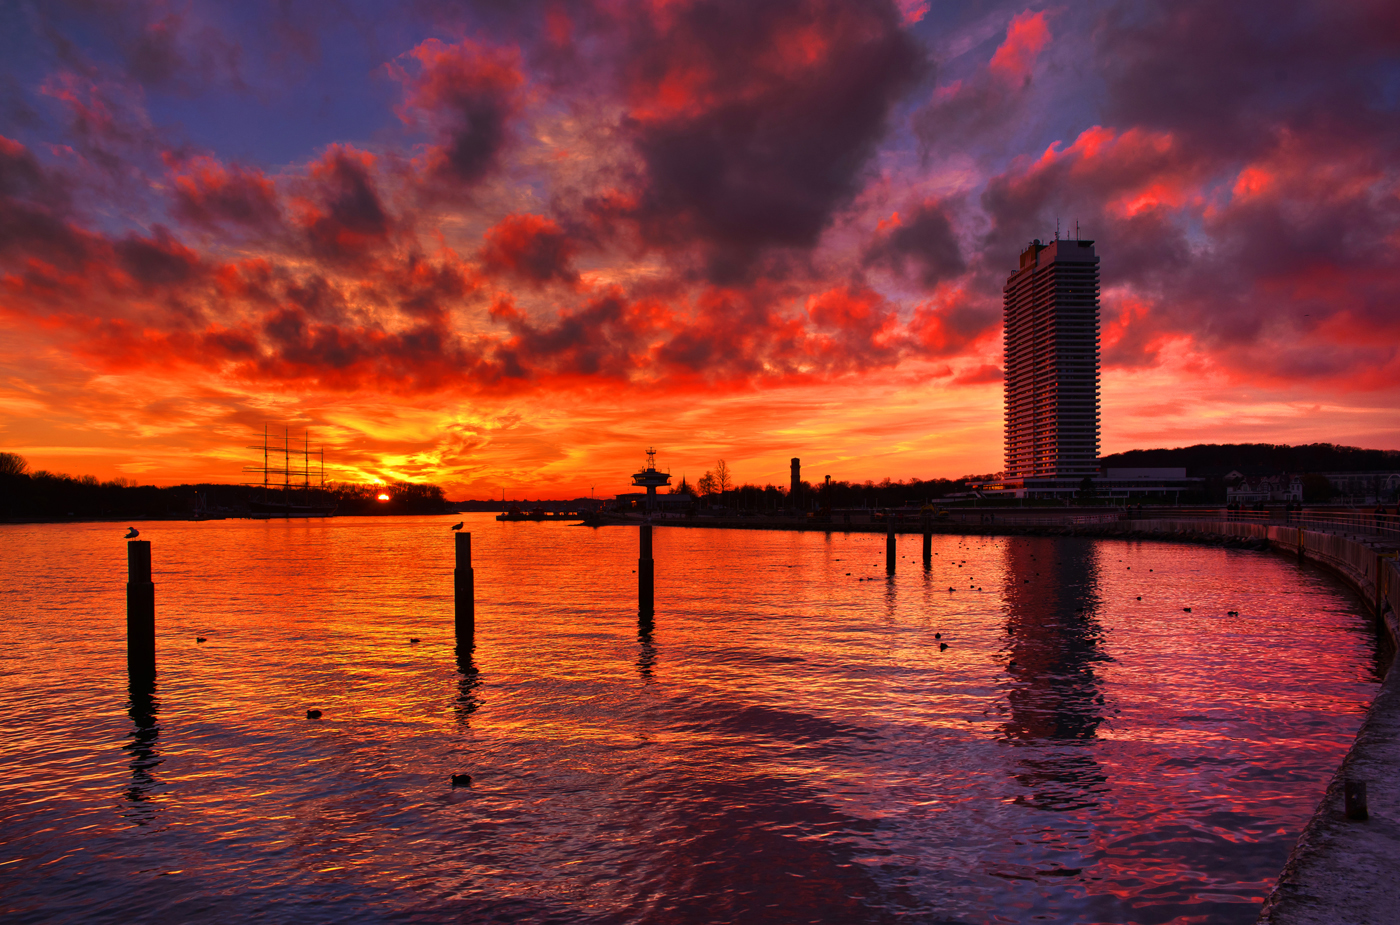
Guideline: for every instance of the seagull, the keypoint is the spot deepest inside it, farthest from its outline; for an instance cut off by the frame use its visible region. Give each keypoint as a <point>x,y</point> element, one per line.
<point>132,533</point>
<point>459,525</point>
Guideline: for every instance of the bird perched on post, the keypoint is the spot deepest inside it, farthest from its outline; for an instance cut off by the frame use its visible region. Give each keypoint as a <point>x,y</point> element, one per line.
<point>132,533</point>
<point>458,525</point>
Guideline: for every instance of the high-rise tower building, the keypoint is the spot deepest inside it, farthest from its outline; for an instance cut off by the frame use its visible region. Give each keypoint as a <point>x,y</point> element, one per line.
<point>1051,336</point>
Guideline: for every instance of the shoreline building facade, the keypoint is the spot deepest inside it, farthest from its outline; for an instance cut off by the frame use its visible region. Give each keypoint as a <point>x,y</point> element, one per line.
<point>1051,340</point>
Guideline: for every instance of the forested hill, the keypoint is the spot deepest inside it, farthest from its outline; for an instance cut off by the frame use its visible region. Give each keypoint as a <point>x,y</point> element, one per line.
<point>1214,460</point>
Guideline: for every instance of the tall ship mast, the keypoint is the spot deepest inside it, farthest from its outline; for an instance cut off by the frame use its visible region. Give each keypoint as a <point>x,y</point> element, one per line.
<point>289,499</point>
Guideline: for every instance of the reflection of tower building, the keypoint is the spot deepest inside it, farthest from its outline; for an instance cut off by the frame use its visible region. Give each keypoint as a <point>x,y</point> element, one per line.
<point>1055,639</point>
<point>1051,336</point>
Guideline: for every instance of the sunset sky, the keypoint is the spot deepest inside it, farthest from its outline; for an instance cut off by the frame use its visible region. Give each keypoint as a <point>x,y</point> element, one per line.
<point>510,245</point>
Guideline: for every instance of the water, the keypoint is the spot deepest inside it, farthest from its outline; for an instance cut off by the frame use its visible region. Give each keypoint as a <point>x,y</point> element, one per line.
<point>788,743</point>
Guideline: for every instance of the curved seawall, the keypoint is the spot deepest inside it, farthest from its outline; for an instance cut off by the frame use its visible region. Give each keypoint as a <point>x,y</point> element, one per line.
<point>1341,870</point>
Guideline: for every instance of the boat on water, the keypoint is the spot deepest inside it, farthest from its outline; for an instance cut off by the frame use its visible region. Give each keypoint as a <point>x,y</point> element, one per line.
<point>289,499</point>
<point>514,514</point>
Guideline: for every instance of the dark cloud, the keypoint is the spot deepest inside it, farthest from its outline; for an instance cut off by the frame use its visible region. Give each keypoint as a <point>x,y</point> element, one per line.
<point>34,206</point>
<point>426,290</point>
<point>918,244</point>
<point>347,216</point>
<point>468,93</point>
<point>153,54</point>
<point>754,121</point>
<point>208,194</point>
<point>1226,78</point>
<point>158,261</point>
<point>530,248</point>
<point>155,45</point>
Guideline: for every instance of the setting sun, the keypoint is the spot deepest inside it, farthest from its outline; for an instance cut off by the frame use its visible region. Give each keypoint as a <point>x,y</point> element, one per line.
<point>383,496</point>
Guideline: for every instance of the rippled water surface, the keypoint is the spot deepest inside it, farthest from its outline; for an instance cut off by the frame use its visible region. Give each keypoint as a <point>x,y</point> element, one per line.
<point>787,743</point>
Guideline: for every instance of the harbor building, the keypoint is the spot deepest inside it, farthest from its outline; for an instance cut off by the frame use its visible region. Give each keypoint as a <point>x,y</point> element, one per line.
<point>1051,339</point>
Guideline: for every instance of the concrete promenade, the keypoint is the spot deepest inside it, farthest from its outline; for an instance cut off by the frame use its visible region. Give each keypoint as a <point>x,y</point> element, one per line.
<point>1341,871</point>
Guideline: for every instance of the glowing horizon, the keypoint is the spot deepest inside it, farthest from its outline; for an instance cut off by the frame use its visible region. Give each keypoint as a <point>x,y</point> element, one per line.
<point>509,249</point>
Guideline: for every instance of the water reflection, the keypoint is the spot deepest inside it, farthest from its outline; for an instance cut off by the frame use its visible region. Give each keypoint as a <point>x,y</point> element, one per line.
<point>467,701</point>
<point>802,757</point>
<point>142,707</point>
<point>1054,641</point>
<point>761,845</point>
<point>646,647</point>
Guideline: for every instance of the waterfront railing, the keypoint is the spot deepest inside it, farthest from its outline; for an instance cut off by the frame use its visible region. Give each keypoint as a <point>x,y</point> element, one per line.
<point>1355,522</point>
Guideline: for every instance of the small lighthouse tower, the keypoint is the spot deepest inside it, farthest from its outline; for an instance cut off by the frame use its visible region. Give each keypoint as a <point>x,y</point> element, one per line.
<point>651,478</point>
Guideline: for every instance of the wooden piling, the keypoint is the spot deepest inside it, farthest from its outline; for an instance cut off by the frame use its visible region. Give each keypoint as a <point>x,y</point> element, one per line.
<point>889,543</point>
<point>646,575</point>
<point>140,611</point>
<point>464,588</point>
<point>926,521</point>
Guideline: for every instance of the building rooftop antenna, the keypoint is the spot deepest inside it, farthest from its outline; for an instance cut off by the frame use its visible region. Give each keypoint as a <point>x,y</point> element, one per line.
<point>1057,228</point>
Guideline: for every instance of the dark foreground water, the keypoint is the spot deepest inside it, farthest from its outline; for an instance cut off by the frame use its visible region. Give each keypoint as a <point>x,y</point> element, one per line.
<point>789,743</point>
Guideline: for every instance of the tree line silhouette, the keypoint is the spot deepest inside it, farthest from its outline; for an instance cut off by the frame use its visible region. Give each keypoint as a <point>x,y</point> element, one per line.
<point>44,495</point>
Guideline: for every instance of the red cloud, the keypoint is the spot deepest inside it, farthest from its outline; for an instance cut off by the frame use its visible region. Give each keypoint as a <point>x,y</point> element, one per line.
<point>953,322</point>
<point>530,247</point>
<point>607,339</point>
<point>1025,37</point>
<point>209,193</point>
<point>855,329</point>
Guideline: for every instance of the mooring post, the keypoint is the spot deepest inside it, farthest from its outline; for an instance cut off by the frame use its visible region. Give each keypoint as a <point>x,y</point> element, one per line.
<point>140,611</point>
<point>927,524</point>
<point>889,542</point>
<point>646,574</point>
<point>1354,800</point>
<point>464,588</point>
